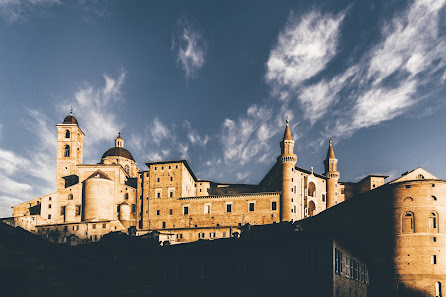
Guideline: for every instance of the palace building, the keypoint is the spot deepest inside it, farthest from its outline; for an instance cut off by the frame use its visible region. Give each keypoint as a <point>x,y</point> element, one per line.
<point>113,195</point>
<point>396,227</point>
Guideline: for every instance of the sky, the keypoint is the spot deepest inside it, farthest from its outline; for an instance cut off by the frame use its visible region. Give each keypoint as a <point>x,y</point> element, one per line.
<point>213,82</point>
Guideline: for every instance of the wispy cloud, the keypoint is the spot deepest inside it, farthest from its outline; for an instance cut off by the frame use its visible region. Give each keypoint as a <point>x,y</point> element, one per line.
<point>190,47</point>
<point>16,10</point>
<point>158,130</point>
<point>303,49</point>
<point>95,107</point>
<point>194,137</point>
<point>381,84</point>
<point>390,75</point>
<point>244,139</point>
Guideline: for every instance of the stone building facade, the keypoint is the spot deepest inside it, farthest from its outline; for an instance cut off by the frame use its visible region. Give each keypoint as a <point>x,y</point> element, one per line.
<point>167,196</point>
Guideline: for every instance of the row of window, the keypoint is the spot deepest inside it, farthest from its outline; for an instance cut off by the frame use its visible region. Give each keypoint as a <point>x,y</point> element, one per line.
<point>170,191</point>
<point>410,199</point>
<point>229,208</point>
<point>162,167</point>
<point>353,269</point>
<point>408,186</point>
<point>408,222</point>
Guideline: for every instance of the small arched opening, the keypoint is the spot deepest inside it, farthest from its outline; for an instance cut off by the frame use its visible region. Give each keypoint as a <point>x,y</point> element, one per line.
<point>67,151</point>
<point>408,222</point>
<point>311,208</point>
<point>67,134</point>
<point>311,189</point>
<point>433,221</point>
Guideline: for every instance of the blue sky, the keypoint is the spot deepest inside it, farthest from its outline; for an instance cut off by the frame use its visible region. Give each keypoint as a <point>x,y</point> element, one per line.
<point>213,81</point>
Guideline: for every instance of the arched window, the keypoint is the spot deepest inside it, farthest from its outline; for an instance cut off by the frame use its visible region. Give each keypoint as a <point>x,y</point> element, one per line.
<point>311,189</point>
<point>408,222</point>
<point>408,200</point>
<point>67,151</point>
<point>433,198</point>
<point>70,196</point>
<point>311,208</point>
<point>420,176</point>
<point>67,134</point>
<point>433,221</point>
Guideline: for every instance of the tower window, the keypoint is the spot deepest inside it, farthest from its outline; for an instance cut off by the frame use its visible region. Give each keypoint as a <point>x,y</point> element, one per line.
<point>251,206</point>
<point>70,196</point>
<point>67,151</point>
<point>185,210</point>
<point>67,134</point>
<point>432,220</point>
<point>408,223</point>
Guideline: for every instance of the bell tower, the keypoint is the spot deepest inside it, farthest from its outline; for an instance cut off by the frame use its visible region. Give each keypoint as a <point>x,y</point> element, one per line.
<point>70,140</point>
<point>333,175</point>
<point>288,160</point>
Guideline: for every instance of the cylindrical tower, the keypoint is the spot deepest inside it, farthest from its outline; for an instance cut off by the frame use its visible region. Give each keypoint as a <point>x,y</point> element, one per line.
<point>288,160</point>
<point>98,197</point>
<point>420,241</point>
<point>333,175</point>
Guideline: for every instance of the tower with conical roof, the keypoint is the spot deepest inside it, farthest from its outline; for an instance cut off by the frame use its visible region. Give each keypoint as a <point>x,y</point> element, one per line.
<point>288,160</point>
<point>333,175</point>
<point>70,141</point>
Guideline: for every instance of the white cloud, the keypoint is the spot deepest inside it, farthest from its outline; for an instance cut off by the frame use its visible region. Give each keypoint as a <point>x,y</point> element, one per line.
<point>158,130</point>
<point>303,49</point>
<point>191,49</point>
<point>15,10</point>
<point>95,108</point>
<point>244,139</point>
<point>242,176</point>
<point>6,204</point>
<point>10,163</point>
<point>194,137</point>
<point>411,45</point>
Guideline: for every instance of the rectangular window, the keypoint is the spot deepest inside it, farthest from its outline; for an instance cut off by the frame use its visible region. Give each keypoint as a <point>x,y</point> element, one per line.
<point>434,259</point>
<point>434,239</point>
<point>62,211</point>
<point>158,193</point>
<point>274,205</point>
<point>212,235</point>
<point>179,236</point>
<point>185,210</point>
<point>338,261</point>
<point>133,207</point>
<point>201,235</point>
<point>164,225</point>
<point>171,192</point>
<point>49,205</point>
<point>407,186</point>
<point>158,180</point>
<point>432,223</point>
<point>228,207</point>
<point>347,266</point>
<point>78,210</point>
<point>157,212</point>
<point>224,234</point>
<point>104,226</point>
<point>94,226</point>
<point>251,206</point>
<point>49,198</point>
<point>323,197</point>
<point>207,208</point>
<point>170,212</point>
<point>49,217</point>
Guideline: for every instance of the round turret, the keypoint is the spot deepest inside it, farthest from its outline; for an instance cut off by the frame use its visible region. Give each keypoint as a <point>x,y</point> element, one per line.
<point>99,193</point>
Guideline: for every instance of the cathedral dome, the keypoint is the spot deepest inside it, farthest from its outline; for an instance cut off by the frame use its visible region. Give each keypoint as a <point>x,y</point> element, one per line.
<point>70,119</point>
<point>118,152</point>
